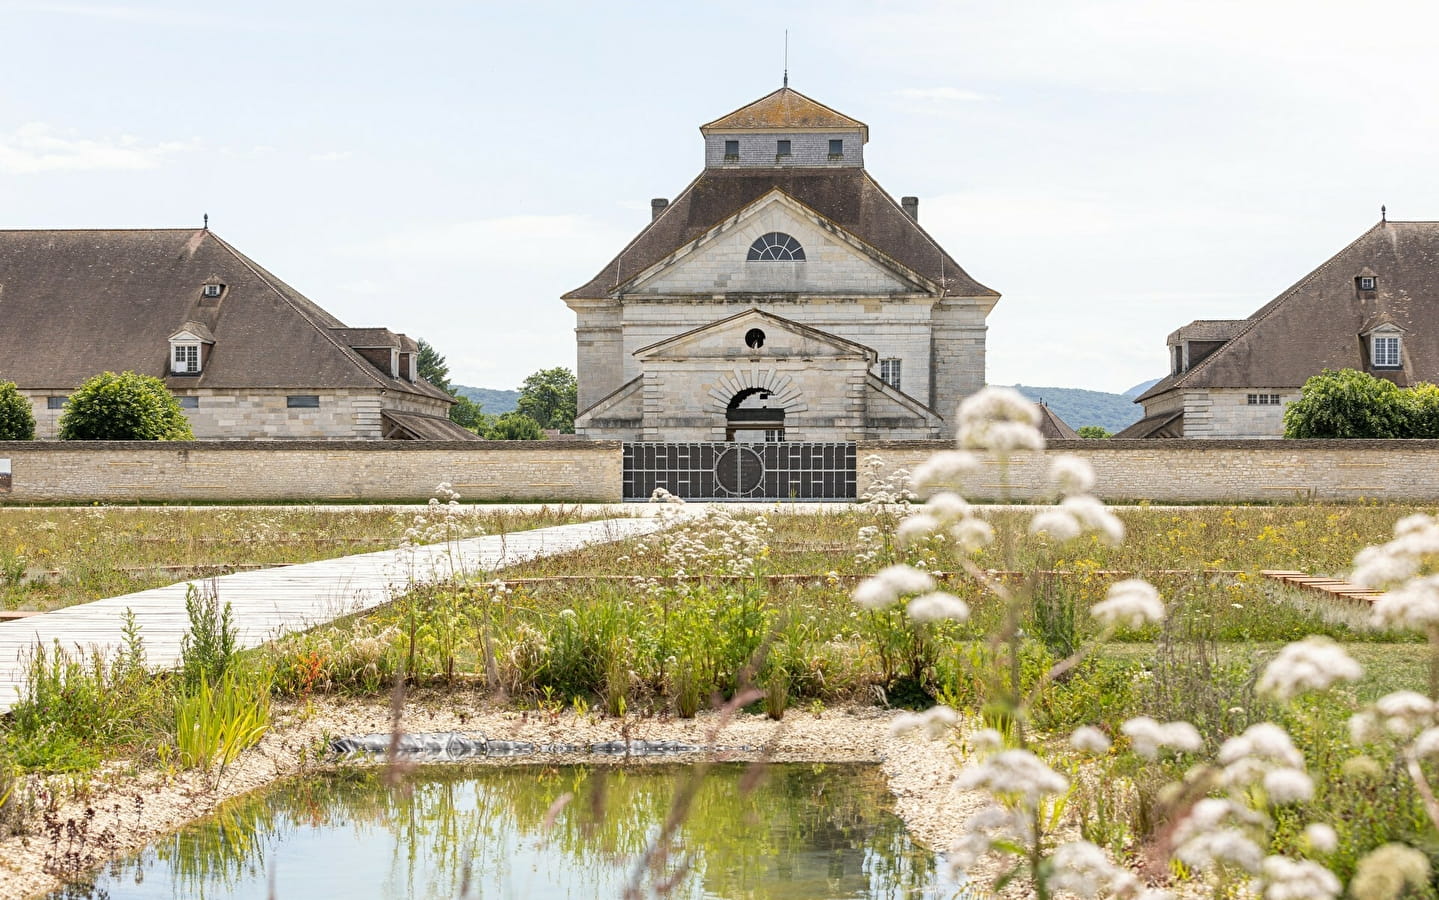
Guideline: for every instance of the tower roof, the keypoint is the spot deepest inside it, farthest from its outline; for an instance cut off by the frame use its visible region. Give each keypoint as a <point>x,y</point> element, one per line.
<point>785,109</point>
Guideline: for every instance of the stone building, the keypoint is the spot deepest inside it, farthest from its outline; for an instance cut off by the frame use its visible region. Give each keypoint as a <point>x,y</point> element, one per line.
<point>1372,307</point>
<point>783,295</point>
<point>247,355</point>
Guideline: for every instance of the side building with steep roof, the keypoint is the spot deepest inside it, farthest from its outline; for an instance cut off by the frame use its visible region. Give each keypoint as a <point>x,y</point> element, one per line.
<point>783,295</point>
<point>1373,306</point>
<point>247,355</point>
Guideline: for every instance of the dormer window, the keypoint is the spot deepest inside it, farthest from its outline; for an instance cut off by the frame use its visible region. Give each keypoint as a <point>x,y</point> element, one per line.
<point>1367,282</point>
<point>731,150</point>
<point>836,147</point>
<point>782,148</point>
<point>185,359</point>
<point>213,290</point>
<point>1386,351</point>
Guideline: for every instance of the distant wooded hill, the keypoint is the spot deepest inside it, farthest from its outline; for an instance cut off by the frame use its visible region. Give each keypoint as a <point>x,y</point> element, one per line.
<point>1080,407</point>
<point>1076,406</point>
<point>492,402</point>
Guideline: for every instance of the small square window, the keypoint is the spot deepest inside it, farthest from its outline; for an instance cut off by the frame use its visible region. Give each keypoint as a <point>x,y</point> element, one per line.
<point>836,147</point>
<point>731,149</point>
<point>1366,282</point>
<point>782,148</point>
<point>303,401</point>
<point>189,402</point>
<point>213,290</point>
<point>55,402</point>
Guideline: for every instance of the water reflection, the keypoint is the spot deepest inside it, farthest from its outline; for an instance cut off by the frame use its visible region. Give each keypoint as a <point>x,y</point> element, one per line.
<point>810,831</point>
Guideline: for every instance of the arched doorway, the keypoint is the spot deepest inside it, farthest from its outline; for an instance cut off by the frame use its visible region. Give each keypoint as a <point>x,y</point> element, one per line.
<point>751,419</point>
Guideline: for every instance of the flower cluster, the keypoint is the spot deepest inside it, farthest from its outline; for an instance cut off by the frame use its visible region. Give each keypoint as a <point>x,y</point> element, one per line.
<point>1313,664</point>
<point>1132,602</point>
<point>1077,513</point>
<point>1001,420</point>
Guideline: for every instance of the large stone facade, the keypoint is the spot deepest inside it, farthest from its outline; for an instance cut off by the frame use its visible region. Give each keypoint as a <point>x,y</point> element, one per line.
<point>872,331</point>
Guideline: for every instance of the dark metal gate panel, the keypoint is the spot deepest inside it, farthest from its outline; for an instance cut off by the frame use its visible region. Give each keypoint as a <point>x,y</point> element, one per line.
<point>787,470</point>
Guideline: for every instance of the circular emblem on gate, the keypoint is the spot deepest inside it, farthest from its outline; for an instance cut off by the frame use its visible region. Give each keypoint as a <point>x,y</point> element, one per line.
<point>739,470</point>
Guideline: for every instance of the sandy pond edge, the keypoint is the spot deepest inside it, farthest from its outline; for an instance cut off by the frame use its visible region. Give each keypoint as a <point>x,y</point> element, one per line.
<point>920,773</point>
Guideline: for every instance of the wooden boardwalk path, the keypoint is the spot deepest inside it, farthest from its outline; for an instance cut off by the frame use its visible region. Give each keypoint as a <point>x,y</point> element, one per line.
<point>1330,587</point>
<point>270,602</point>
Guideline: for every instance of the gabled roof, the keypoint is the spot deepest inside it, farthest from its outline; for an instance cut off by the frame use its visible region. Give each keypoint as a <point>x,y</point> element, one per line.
<point>842,345</point>
<point>1160,425</point>
<point>411,426</point>
<point>848,197</point>
<point>74,303</point>
<point>1053,427</point>
<point>1318,323</point>
<point>785,110</point>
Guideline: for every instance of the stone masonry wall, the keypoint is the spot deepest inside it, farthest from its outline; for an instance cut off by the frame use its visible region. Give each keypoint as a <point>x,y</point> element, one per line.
<point>124,471</point>
<point>1206,470</point>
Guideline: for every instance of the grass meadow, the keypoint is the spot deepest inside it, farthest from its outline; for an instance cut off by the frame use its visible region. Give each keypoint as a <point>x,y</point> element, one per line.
<point>690,617</point>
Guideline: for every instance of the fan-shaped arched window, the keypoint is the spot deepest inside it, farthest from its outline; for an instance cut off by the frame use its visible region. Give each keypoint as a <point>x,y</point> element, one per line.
<point>776,245</point>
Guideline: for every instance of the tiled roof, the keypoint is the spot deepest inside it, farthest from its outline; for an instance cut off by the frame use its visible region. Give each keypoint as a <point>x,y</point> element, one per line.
<point>1167,424</point>
<point>784,110</point>
<point>74,303</point>
<point>420,427</point>
<point>846,196</point>
<point>1053,427</point>
<point>1318,323</point>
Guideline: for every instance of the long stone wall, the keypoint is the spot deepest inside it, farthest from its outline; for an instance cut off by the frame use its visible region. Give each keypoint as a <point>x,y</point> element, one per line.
<point>123,471</point>
<point>1179,471</point>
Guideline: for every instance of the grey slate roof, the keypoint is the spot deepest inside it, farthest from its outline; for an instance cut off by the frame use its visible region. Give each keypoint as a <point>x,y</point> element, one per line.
<point>1319,322</point>
<point>420,427</point>
<point>846,196</point>
<point>74,303</point>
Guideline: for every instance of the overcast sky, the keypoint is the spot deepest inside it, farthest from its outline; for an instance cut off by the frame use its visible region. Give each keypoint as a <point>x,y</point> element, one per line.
<point>1113,169</point>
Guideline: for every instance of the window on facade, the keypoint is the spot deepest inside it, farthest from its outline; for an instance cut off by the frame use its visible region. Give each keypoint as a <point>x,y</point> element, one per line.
<point>836,147</point>
<point>731,149</point>
<point>754,338</point>
<point>213,290</point>
<point>55,402</point>
<point>781,148</point>
<point>302,401</point>
<point>1263,399</point>
<point>776,245</point>
<point>186,359</point>
<point>889,372</point>
<point>1386,352</point>
<point>1366,282</point>
<point>189,402</point>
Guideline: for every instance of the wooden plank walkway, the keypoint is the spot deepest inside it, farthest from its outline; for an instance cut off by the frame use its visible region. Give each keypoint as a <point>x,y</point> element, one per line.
<point>1330,587</point>
<point>270,602</point>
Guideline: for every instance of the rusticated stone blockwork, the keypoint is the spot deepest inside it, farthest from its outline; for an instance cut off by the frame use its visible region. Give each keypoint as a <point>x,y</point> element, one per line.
<point>1180,471</point>
<point>124,471</point>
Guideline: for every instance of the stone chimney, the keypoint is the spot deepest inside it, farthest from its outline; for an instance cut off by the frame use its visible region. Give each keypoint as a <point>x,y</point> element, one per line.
<point>911,207</point>
<point>657,206</point>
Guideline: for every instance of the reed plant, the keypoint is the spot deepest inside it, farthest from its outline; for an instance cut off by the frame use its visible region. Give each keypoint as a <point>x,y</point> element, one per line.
<point>215,723</point>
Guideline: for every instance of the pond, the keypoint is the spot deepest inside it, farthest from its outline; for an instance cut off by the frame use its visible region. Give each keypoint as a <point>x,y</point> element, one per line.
<point>808,831</point>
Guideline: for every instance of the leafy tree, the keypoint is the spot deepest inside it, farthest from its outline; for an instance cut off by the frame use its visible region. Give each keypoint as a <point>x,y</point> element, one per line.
<point>1347,404</point>
<point>433,368</point>
<point>124,407</point>
<point>549,396</point>
<point>1421,411</point>
<point>17,422</point>
<point>1094,431</point>
<point>515,426</point>
<point>468,414</point>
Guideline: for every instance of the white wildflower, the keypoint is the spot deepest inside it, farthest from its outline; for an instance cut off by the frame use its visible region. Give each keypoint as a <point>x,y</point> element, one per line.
<point>1414,604</point>
<point>936,606</point>
<point>1321,837</point>
<point>946,468</point>
<point>1427,743</point>
<point>972,534</point>
<point>986,740</point>
<point>947,506</point>
<point>1089,739</point>
<point>975,839</point>
<point>1147,737</point>
<point>1286,786</point>
<point>1071,474</point>
<point>1058,524</point>
<point>1281,878</point>
<point>935,722</point>
<point>1313,664</point>
<point>1379,566</point>
<point>999,419</point>
<point>1261,749</point>
<point>1096,517</point>
<point>1403,713</point>
<point>1013,772</point>
<point>1132,602</point>
<point>1388,871</point>
<point>886,586</point>
<point>915,527</point>
<point>1220,846</point>
<point>1082,869</point>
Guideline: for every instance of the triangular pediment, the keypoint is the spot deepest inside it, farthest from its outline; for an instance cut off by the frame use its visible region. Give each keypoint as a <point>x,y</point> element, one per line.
<point>834,260</point>
<point>734,338</point>
<point>192,332</point>
<point>785,110</point>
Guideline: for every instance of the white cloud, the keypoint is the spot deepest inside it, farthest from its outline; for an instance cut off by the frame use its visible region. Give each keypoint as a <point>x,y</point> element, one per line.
<point>942,95</point>
<point>36,147</point>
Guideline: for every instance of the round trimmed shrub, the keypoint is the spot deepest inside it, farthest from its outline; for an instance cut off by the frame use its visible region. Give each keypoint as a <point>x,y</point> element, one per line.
<point>17,421</point>
<point>124,407</point>
<point>1347,404</point>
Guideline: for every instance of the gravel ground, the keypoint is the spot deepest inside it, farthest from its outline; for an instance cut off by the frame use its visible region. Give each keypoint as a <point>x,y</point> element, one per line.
<point>133,807</point>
